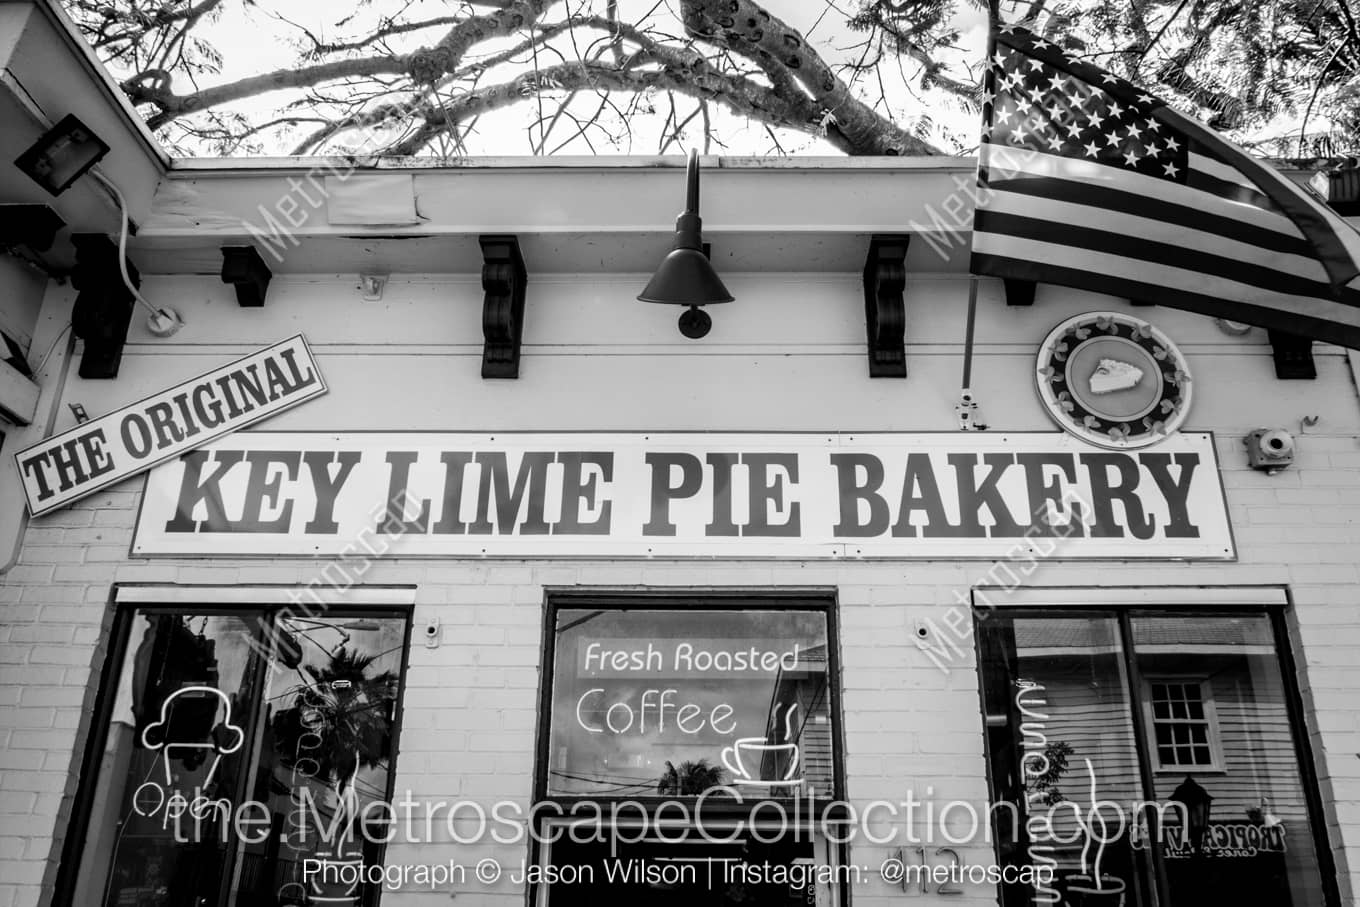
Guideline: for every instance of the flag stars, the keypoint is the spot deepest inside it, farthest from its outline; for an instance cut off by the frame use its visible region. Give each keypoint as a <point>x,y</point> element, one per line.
<point>1112,140</point>
<point>1116,111</point>
<point>1152,149</point>
<point>1092,150</point>
<point>1171,169</point>
<point>1036,65</point>
<point>1153,125</point>
<point>1134,131</point>
<point>1172,144</point>
<point>1131,157</point>
<point>1094,118</point>
<point>1055,143</point>
<point>1073,131</point>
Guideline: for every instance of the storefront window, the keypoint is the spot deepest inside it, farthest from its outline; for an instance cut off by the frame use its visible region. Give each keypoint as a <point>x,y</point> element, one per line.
<point>230,740</point>
<point>1151,757</point>
<point>673,703</point>
<point>712,722</point>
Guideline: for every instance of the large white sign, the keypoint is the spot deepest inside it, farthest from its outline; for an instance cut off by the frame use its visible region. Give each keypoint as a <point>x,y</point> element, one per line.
<point>123,443</point>
<point>828,495</point>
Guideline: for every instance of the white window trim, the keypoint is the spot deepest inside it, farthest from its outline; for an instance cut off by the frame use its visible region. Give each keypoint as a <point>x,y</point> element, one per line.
<point>355,596</point>
<point>1215,765</point>
<point>1128,596</point>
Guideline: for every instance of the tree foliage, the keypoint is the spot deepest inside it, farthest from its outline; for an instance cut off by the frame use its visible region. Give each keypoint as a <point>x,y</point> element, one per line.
<point>425,77</point>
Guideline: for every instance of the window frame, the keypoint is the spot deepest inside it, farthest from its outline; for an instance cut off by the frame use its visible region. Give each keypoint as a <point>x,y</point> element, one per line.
<point>125,602</point>
<point>829,808</point>
<point>1216,764</point>
<point>774,601</point>
<point>1121,603</point>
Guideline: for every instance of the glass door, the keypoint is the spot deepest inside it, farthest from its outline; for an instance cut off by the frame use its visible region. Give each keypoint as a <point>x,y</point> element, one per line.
<point>234,745</point>
<point>1063,760</point>
<point>1149,758</point>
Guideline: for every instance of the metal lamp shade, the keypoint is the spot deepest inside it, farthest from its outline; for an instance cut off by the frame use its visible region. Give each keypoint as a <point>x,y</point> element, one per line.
<point>686,277</point>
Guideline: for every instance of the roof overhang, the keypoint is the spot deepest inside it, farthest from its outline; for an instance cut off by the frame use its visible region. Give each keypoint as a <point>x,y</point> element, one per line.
<point>570,214</point>
<point>46,72</point>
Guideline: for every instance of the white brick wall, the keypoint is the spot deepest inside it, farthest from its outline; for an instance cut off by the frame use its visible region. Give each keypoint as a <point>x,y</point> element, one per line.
<point>470,715</point>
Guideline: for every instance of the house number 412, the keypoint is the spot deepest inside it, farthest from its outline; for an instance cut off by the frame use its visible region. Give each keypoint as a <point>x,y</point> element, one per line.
<point>918,880</point>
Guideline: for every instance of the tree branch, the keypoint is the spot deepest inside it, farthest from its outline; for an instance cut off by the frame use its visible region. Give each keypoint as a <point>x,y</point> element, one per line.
<point>739,95</point>
<point>753,33</point>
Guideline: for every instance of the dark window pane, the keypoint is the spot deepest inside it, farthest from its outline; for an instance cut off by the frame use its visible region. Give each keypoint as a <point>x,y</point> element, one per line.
<point>1258,795</point>
<point>212,713</point>
<point>676,702</point>
<point>176,737</point>
<point>328,726</point>
<point>1060,723</point>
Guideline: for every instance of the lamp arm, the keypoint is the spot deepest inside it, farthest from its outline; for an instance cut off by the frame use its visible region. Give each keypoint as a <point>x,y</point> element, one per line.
<point>122,243</point>
<point>692,182</point>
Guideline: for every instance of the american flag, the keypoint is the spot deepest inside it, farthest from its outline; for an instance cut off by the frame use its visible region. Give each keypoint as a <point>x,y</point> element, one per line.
<point>1087,181</point>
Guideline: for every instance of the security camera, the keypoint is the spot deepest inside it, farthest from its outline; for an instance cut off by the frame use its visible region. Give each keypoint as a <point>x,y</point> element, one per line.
<point>432,633</point>
<point>921,628</point>
<point>1270,449</point>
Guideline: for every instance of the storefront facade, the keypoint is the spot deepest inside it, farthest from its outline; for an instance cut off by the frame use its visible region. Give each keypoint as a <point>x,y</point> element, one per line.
<point>647,568</point>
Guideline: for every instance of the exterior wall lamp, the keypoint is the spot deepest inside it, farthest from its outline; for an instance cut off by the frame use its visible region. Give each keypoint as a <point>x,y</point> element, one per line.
<point>686,276</point>
<point>62,155</point>
<point>1197,803</point>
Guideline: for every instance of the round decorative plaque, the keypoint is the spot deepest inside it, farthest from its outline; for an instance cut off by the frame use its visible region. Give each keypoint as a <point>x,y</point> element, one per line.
<point>1113,380</point>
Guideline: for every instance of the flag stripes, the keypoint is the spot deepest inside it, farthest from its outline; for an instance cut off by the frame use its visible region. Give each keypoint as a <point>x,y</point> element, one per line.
<point>1087,182</point>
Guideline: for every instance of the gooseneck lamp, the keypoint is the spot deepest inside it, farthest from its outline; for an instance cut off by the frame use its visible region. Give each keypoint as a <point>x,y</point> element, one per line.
<point>686,276</point>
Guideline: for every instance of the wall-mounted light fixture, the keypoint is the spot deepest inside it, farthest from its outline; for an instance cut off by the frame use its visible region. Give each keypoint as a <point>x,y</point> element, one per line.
<point>63,155</point>
<point>686,276</point>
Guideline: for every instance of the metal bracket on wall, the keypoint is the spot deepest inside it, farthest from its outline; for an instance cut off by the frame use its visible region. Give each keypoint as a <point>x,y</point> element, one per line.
<point>885,310</point>
<point>243,267</point>
<point>1019,292</point>
<point>504,280</point>
<point>1293,356</point>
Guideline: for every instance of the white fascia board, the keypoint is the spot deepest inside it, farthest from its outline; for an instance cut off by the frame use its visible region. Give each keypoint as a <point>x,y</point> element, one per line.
<point>599,214</point>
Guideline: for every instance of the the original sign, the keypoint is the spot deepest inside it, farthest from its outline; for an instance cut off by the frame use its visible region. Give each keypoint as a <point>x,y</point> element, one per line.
<point>131,440</point>
<point>666,495</point>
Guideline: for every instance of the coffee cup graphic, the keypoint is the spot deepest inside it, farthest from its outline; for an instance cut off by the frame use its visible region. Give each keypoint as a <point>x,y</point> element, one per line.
<point>751,751</point>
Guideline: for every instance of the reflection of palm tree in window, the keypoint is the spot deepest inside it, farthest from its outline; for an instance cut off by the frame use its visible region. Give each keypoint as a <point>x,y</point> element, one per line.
<point>344,714</point>
<point>690,779</point>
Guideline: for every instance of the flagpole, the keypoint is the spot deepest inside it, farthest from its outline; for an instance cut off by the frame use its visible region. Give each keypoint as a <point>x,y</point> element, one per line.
<point>967,408</point>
